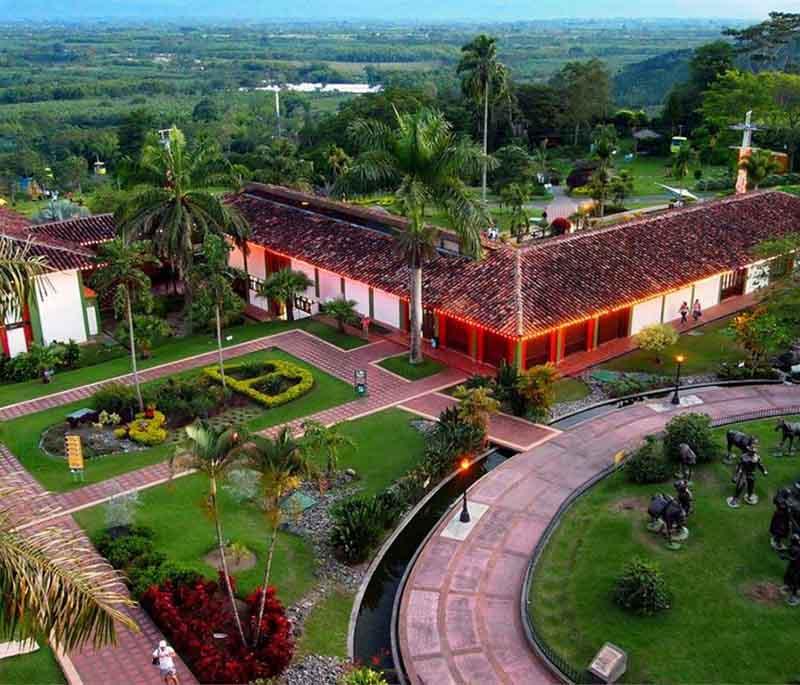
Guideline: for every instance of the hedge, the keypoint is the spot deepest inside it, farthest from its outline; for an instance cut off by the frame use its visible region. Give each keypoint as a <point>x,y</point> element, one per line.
<point>281,368</point>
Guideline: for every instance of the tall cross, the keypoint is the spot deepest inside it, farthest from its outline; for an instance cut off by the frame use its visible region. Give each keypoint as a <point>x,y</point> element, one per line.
<point>747,129</point>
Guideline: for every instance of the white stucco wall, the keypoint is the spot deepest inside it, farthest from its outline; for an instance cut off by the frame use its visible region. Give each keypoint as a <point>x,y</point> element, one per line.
<point>308,270</point>
<point>673,302</point>
<point>645,314</point>
<point>16,341</point>
<point>707,292</point>
<point>61,309</point>
<point>359,292</point>
<point>386,308</point>
<point>330,285</point>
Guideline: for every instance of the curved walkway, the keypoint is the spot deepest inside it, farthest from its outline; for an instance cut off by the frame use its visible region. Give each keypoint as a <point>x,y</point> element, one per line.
<point>459,616</point>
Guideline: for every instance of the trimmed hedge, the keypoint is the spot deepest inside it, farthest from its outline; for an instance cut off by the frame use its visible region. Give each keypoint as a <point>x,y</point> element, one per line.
<point>148,431</point>
<point>279,369</point>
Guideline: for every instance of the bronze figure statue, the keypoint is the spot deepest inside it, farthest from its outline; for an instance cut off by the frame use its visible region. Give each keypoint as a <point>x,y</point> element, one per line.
<point>791,578</point>
<point>685,497</point>
<point>745,478</point>
<point>667,515</point>
<point>789,431</point>
<point>688,461</point>
<point>741,441</point>
<point>780,527</point>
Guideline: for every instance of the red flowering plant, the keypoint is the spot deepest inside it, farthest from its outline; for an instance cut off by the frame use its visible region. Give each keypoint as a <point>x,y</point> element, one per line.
<point>191,614</point>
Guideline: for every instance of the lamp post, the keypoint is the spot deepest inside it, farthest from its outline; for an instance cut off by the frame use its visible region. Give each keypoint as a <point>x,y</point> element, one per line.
<point>464,467</point>
<point>678,360</point>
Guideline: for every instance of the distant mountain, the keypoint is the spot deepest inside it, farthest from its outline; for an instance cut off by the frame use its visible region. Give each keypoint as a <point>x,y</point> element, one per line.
<point>646,83</point>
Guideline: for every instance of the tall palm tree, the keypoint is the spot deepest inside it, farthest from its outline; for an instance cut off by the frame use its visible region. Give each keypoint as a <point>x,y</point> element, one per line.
<point>282,287</point>
<point>213,452</point>
<point>281,465</point>
<point>423,163</point>
<point>758,164</point>
<point>514,196</point>
<point>485,79</point>
<point>176,210</point>
<point>120,270</point>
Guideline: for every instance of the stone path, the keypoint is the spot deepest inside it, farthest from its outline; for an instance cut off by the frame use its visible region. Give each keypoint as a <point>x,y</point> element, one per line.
<point>130,661</point>
<point>459,618</point>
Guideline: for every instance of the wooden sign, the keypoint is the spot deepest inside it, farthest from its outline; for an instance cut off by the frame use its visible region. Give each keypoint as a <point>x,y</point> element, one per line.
<point>74,451</point>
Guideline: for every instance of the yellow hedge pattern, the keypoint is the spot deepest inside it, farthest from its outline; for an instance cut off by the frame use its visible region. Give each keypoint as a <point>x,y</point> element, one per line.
<point>281,368</point>
<point>148,431</point>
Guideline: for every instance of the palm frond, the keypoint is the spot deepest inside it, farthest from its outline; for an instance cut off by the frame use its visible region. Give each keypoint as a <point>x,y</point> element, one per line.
<point>21,274</point>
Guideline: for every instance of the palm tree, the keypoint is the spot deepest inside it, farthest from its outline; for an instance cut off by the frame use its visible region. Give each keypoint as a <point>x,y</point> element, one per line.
<point>282,287</point>
<point>325,442</point>
<point>213,452</point>
<point>240,233</point>
<point>542,159</point>
<point>759,164</point>
<point>176,210</point>
<point>21,274</point>
<point>341,309</point>
<point>214,276</point>
<point>338,160</point>
<point>485,79</point>
<point>120,270</point>
<point>281,464</point>
<point>422,162</point>
<point>514,197</point>
<point>680,165</point>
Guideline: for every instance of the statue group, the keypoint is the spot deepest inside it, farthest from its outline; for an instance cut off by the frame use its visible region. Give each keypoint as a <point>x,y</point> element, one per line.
<point>784,532</point>
<point>744,476</point>
<point>668,514</point>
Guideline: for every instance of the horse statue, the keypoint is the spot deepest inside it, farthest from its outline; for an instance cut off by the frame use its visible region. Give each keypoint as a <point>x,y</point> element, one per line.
<point>790,431</point>
<point>668,516</point>
<point>741,441</point>
<point>688,461</point>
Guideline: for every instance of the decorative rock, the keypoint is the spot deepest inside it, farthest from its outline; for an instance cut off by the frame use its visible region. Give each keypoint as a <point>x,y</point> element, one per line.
<point>314,670</point>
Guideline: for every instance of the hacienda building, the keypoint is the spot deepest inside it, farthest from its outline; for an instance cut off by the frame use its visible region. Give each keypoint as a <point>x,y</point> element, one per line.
<point>542,302</point>
<point>61,307</point>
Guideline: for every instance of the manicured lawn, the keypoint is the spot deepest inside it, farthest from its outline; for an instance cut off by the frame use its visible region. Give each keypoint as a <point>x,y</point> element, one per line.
<point>325,629</point>
<point>703,353</point>
<point>413,372</point>
<point>22,435</point>
<point>571,390</point>
<point>715,631</point>
<point>176,348</point>
<point>648,172</point>
<point>344,341</point>
<point>39,668</point>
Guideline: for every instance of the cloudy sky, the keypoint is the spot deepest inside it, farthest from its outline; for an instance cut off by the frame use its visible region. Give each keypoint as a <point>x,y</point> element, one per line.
<point>388,9</point>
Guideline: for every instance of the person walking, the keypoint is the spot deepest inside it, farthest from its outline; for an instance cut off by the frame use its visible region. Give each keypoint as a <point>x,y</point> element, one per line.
<point>163,658</point>
<point>697,311</point>
<point>684,310</point>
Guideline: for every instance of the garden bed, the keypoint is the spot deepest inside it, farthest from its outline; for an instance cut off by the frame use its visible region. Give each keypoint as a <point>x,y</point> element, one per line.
<point>413,372</point>
<point>725,624</point>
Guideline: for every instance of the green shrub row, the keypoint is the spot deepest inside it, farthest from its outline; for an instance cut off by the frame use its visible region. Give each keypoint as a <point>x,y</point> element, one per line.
<point>246,387</point>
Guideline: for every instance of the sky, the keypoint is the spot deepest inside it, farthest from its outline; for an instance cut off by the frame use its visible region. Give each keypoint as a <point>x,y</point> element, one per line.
<point>418,10</point>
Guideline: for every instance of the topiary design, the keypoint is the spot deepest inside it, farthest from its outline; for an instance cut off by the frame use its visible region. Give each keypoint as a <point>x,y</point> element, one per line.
<point>297,381</point>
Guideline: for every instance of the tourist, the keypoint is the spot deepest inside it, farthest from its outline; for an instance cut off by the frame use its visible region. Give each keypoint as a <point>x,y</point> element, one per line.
<point>684,310</point>
<point>162,657</point>
<point>697,311</point>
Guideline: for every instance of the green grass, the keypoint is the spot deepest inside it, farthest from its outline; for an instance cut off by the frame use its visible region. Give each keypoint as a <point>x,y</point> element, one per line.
<point>713,632</point>
<point>22,435</point>
<point>571,390</point>
<point>703,353</point>
<point>185,534</point>
<point>648,172</point>
<point>173,350</point>
<point>39,668</point>
<point>413,372</point>
<point>325,629</point>
<point>343,341</point>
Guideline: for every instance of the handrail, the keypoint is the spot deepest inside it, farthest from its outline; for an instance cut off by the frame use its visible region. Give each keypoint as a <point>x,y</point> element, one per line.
<point>559,666</point>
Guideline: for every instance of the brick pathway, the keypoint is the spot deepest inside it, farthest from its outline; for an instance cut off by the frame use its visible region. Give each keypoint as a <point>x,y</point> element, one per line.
<point>505,430</point>
<point>459,616</point>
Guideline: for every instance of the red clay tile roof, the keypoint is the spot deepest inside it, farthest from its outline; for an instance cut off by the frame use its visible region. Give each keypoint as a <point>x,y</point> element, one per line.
<point>59,257</point>
<point>531,290</point>
<point>11,222</point>
<point>85,231</point>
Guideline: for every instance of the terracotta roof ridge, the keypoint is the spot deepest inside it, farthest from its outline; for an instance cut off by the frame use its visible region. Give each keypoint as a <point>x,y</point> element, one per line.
<point>49,243</point>
<point>74,219</point>
<point>518,300</point>
<point>678,211</point>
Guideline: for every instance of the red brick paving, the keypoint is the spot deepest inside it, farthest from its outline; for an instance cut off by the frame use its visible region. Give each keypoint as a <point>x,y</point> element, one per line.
<point>459,616</point>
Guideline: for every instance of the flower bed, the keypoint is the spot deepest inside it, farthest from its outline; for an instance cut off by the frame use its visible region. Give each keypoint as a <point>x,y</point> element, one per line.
<point>278,383</point>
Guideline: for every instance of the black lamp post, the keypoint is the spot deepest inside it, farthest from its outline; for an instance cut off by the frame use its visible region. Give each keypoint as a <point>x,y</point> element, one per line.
<point>464,518</point>
<point>678,360</point>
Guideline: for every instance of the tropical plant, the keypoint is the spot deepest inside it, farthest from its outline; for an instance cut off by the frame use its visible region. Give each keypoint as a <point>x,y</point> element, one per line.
<point>21,274</point>
<point>362,676</point>
<point>681,161</point>
<point>759,164</point>
<point>240,233</point>
<point>341,309</point>
<point>338,161</point>
<point>281,465</point>
<point>641,588</point>
<point>485,79</point>
<point>622,186</point>
<point>213,452</point>
<point>148,329</point>
<point>423,162</point>
<point>60,210</point>
<point>514,197</point>
<point>647,464</point>
<point>176,211</point>
<point>537,386</point>
<point>325,442</point>
<point>213,276</point>
<point>52,583</point>
<point>656,338</point>
<point>476,406</point>
<point>283,286</point>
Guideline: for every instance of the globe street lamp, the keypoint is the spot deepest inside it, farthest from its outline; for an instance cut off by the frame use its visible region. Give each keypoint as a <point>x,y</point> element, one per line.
<point>678,360</point>
<point>464,467</point>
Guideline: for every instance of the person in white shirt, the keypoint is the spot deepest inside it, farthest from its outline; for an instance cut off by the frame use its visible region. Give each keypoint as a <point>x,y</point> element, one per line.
<point>162,655</point>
